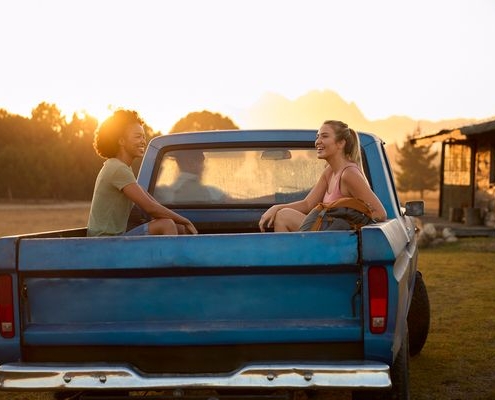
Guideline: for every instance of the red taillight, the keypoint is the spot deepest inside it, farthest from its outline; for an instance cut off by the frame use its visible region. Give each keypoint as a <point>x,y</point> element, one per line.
<point>378,295</point>
<point>6,307</point>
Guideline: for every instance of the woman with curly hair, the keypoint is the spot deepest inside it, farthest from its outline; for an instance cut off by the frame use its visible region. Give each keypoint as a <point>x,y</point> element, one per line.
<point>120,139</point>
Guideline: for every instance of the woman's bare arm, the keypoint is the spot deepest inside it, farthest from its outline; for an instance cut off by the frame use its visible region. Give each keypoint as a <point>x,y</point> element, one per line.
<point>304,206</point>
<point>354,184</point>
<point>148,203</point>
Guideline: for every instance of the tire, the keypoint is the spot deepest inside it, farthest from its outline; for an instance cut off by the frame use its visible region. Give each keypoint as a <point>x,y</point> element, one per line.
<point>418,318</point>
<point>399,374</point>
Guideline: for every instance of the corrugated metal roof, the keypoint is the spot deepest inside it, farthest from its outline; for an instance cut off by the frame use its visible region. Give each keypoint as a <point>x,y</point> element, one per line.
<point>476,129</point>
<point>456,134</point>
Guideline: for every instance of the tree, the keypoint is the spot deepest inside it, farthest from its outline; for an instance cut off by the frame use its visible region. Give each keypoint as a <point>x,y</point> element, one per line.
<point>49,116</point>
<point>79,161</point>
<point>203,121</point>
<point>17,138</point>
<point>417,169</point>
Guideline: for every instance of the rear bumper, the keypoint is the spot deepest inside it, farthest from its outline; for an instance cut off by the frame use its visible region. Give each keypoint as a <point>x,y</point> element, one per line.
<point>22,376</point>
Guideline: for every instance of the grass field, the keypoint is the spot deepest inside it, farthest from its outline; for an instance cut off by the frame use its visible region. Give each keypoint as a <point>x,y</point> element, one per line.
<point>35,217</point>
<point>458,360</point>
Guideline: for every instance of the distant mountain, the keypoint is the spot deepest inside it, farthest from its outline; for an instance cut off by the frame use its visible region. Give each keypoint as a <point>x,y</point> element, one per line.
<point>311,109</point>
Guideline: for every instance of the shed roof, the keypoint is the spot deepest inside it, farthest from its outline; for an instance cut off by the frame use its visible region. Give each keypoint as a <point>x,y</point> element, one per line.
<point>461,133</point>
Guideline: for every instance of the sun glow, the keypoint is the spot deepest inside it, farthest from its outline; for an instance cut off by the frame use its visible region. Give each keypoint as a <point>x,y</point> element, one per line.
<point>167,59</point>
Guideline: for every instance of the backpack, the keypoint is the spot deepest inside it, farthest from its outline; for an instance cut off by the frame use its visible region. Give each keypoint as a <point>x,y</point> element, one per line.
<point>342,214</point>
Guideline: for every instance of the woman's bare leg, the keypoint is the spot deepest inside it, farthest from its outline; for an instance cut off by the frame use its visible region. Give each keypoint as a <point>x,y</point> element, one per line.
<point>162,226</point>
<point>288,220</point>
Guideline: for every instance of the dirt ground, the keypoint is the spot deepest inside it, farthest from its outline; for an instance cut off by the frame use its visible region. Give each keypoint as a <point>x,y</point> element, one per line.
<point>35,217</point>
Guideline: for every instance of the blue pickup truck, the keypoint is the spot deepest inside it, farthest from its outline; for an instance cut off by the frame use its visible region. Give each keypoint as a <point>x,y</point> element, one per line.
<point>231,311</point>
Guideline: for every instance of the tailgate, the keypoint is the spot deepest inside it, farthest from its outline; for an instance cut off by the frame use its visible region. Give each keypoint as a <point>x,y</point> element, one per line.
<point>181,291</point>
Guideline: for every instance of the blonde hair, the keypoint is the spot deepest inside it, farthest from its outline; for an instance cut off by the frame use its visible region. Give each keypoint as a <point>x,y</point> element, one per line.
<point>352,148</point>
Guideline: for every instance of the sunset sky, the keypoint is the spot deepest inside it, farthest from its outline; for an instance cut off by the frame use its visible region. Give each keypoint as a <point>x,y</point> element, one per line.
<point>426,59</point>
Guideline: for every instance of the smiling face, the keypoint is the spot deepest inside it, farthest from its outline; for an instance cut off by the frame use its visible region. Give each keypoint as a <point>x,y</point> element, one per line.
<point>133,142</point>
<point>325,143</point>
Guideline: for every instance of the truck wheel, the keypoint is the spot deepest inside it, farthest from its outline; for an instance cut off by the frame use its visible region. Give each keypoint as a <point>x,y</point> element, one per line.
<point>418,318</point>
<point>399,374</point>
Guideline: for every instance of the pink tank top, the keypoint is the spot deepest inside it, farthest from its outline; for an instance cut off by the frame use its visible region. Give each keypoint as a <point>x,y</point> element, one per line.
<point>336,193</point>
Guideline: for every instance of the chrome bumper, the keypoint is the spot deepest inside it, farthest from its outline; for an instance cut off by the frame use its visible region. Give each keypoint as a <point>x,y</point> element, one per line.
<point>22,376</point>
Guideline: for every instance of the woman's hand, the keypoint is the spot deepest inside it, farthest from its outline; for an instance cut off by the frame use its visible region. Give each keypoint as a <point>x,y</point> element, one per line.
<point>190,228</point>
<point>268,218</point>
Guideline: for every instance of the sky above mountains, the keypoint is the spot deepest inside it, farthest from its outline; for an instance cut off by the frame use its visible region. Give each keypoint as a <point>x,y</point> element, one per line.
<point>427,60</point>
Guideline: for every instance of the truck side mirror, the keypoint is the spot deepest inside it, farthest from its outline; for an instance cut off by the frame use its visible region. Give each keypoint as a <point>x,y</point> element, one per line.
<point>415,208</point>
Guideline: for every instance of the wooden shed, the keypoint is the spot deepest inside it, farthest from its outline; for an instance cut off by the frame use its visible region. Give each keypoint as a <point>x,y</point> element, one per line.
<point>467,172</point>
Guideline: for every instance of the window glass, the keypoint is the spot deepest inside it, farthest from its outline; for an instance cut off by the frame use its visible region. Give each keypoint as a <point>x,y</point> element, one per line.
<point>215,176</point>
<point>457,165</point>
<point>492,165</point>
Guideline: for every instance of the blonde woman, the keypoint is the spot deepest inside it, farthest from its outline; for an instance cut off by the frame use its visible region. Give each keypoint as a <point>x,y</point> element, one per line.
<point>339,146</point>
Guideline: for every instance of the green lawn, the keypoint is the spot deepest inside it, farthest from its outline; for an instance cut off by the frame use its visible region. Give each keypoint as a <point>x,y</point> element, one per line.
<point>458,360</point>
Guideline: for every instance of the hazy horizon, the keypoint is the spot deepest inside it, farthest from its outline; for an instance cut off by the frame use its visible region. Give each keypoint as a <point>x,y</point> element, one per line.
<point>425,60</point>
<point>274,111</point>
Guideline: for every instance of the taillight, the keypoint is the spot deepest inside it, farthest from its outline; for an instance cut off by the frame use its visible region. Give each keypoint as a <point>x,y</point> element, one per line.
<point>378,297</point>
<point>6,307</point>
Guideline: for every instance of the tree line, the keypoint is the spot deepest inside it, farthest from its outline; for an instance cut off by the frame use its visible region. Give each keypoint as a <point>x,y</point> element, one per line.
<point>47,156</point>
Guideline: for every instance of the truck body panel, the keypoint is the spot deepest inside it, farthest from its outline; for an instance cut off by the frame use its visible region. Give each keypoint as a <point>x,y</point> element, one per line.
<point>229,308</point>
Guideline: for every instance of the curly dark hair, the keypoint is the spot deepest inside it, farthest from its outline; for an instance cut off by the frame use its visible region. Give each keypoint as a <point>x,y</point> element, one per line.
<point>106,142</point>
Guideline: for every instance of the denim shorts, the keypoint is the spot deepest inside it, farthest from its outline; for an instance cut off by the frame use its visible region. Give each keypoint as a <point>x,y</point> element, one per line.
<point>141,230</point>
